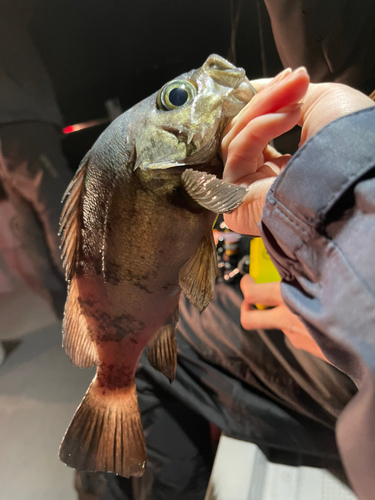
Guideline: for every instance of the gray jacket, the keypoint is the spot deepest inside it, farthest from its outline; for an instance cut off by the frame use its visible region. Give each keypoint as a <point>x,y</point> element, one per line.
<point>319,227</point>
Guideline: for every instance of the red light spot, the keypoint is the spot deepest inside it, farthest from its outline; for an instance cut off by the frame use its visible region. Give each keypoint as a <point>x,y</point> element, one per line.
<point>69,129</point>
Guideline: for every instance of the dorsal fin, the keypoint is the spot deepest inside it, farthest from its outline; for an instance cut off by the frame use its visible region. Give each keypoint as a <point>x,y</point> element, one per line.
<point>76,336</point>
<point>70,224</point>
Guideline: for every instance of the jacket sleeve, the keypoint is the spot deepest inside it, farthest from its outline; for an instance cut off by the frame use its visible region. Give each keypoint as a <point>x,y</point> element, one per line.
<point>318,225</point>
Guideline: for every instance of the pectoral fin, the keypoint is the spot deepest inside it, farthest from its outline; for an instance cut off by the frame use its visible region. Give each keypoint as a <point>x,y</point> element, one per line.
<point>198,275</point>
<point>212,193</point>
<point>162,348</point>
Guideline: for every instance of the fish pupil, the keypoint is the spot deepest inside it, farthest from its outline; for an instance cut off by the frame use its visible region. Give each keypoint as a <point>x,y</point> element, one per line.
<point>178,96</point>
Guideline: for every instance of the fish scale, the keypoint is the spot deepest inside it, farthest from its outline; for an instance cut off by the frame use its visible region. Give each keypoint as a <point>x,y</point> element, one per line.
<point>135,232</point>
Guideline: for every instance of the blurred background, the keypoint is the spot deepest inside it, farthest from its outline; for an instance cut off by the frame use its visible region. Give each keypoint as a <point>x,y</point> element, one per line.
<point>125,51</point>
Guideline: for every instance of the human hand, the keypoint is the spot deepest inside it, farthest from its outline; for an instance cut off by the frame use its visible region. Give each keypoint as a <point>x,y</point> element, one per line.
<point>274,110</point>
<point>279,317</point>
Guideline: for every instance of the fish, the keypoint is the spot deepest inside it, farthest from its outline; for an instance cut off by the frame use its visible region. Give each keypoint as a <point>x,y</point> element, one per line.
<point>136,230</point>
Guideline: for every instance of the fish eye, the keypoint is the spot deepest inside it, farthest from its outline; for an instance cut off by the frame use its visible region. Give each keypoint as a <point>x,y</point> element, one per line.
<point>175,94</point>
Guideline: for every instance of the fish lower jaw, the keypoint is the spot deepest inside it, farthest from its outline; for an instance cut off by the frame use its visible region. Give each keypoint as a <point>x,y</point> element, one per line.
<point>192,136</point>
<point>244,92</point>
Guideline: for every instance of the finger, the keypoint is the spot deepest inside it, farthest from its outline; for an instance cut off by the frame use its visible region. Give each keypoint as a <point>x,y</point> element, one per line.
<point>273,81</point>
<point>274,159</point>
<point>246,281</point>
<point>278,164</point>
<point>245,219</point>
<point>271,152</point>
<point>290,90</point>
<point>326,102</point>
<point>259,85</point>
<point>252,319</point>
<point>244,153</point>
<point>263,83</point>
<point>300,338</point>
<point>279,317</point>
<point>267,294</point>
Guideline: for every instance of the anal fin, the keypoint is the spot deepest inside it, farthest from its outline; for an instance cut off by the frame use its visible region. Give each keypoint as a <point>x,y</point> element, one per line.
<point>197,276</point>
<point>162,348</point>
<point>106,433</point>
<point>77,342</point>
<point>212,193</point>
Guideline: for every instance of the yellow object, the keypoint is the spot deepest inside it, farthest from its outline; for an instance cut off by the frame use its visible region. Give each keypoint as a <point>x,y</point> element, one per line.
<point>261,268</point>
<point>213,225</point>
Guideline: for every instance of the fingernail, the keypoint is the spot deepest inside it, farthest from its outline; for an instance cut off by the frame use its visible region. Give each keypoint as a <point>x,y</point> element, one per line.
<point>283,74</point>
<point>300,70</point>
<point>286,72</point>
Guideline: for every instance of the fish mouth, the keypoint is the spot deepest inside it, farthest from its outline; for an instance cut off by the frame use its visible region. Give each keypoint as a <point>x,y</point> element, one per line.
<point>202,143</point>
<point>226,74</point>
<point>244,92</point>
<point>199,158</point>
<point>192,139</point>
<point>181,135</point>
<point>223,72</point>
<point>198,151</point>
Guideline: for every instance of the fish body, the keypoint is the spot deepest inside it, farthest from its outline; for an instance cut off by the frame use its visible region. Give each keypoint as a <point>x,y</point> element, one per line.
<point>136,229</point>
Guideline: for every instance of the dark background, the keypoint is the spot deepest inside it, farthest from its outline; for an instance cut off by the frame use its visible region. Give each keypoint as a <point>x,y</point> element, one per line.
<point>100,49</point>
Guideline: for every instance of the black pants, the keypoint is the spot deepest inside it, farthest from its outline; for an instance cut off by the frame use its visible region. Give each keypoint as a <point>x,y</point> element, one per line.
<point>252,385</point>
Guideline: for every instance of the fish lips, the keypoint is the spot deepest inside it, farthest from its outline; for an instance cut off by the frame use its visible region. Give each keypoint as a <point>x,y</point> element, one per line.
<point>244,92</point>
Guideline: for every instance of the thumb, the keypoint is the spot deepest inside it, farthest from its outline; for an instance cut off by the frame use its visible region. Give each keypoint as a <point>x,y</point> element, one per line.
<point>245,218</point>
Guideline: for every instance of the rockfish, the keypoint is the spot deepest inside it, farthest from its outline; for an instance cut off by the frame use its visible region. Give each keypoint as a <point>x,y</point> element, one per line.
<point>136,229</point>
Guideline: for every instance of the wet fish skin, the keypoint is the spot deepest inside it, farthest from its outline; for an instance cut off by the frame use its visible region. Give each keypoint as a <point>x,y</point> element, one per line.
<point>132,237</point>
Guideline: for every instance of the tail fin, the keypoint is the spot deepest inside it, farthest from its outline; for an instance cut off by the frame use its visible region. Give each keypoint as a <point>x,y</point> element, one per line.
<point>106,433</point>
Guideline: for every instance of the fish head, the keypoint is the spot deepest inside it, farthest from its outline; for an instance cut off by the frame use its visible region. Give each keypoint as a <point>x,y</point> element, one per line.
<point>181,124</point>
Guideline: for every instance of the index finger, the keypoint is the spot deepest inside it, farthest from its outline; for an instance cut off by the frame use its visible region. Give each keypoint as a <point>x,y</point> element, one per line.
<point>267,294</point>
<point>289,90</point>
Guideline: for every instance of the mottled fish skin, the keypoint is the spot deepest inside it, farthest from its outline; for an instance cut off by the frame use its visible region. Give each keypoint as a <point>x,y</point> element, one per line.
<point>133,228</point>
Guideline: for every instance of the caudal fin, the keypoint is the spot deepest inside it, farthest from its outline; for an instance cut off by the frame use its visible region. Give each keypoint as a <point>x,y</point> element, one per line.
<point>106,433</point>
